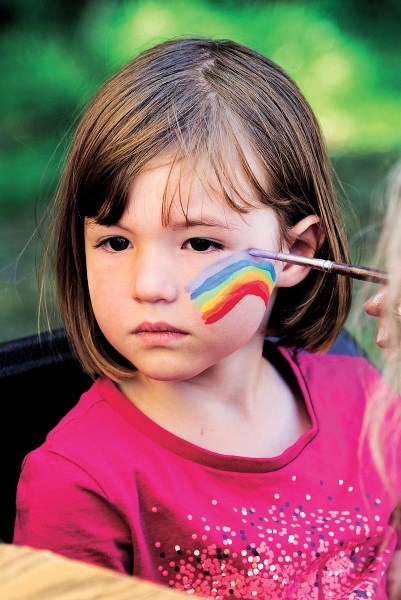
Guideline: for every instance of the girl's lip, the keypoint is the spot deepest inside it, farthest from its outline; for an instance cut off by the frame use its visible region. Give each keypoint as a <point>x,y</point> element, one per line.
<point>158,335</point>
<point>158,327</point>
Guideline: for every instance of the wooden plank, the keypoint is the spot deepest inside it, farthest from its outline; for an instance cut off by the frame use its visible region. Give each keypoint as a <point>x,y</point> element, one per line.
<point>27,574</point>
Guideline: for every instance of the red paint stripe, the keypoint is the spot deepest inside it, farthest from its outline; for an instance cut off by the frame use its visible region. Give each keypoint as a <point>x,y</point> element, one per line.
<point>253,288</point>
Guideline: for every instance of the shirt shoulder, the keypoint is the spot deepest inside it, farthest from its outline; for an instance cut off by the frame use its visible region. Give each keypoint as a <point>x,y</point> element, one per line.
<point>338,370</point>
<point>338,387</point>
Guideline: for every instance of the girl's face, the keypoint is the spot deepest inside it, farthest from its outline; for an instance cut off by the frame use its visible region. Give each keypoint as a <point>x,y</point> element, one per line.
<point>140,274</point>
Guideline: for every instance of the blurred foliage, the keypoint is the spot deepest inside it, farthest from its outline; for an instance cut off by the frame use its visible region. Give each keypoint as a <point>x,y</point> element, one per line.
<point>344,54</point>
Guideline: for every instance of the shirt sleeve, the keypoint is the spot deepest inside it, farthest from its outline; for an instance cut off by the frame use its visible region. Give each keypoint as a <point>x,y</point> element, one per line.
<point>61,508</point>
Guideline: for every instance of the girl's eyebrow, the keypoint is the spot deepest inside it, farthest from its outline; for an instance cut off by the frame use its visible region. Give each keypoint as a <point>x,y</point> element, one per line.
<point>175,225</point>
<point>204,222</point>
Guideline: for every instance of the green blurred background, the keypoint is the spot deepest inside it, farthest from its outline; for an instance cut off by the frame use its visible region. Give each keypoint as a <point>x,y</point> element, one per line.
<point>345,56</point>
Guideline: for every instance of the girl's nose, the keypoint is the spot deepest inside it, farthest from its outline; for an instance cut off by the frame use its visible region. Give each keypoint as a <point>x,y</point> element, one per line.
<point>375,305</point>
<point>154,280</point>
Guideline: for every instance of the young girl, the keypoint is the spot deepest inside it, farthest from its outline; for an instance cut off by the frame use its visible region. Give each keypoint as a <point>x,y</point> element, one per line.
<point>383,419</point>
<point>205,457</point>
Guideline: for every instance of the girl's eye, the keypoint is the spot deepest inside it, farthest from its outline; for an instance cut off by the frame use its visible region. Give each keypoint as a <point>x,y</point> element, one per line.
<point>203,244</point>
<point>116,244</point>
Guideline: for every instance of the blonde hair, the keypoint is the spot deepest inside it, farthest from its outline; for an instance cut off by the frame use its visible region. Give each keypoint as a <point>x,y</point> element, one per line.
<point>195,98</point>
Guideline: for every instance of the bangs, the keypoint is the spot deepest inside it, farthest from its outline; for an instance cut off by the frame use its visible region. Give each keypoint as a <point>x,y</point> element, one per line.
<point>219,156</point>
<point>210,151</point>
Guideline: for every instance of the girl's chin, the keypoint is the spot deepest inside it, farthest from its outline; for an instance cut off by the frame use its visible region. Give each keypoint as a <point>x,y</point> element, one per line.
<point>170,373</point>
<point>169,378</point>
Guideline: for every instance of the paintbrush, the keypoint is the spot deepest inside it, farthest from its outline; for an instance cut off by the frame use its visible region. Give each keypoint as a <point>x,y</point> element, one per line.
<point>328,266</point>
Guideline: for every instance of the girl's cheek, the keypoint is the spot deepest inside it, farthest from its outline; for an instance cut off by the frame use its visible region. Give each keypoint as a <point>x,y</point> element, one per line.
<point>222,285</point>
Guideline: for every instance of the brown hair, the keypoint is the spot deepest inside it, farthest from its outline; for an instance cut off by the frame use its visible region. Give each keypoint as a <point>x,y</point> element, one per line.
<point>197,97</point>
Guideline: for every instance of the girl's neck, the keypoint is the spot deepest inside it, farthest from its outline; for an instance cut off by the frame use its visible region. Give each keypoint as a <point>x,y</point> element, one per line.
<point>242,409</point>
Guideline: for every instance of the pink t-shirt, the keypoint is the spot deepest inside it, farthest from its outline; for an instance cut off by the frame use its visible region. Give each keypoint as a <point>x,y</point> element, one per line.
<point>111,487</point>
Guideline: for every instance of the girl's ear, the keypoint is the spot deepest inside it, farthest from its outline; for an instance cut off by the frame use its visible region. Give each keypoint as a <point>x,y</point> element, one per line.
<point>307,238</point>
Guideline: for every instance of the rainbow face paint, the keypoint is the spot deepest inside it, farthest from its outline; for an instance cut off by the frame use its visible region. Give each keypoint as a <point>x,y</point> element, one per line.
<point>223,284</point>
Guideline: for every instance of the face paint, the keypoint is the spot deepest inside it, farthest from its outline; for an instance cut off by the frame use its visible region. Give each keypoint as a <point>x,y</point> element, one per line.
<point>222,285</point>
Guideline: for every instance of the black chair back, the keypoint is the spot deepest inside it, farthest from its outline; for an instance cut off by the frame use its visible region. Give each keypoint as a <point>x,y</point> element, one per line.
<point>40,380</point>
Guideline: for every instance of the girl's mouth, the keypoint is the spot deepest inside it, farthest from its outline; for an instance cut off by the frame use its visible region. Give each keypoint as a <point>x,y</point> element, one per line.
<point>158,334</point>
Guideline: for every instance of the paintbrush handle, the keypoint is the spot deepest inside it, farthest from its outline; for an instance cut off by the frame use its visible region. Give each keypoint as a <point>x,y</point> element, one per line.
<point>362,273</point>
<point>328,266</point>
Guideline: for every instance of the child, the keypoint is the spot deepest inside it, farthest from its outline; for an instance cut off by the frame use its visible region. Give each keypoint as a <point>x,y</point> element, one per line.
<point>205,457</point>
<point>386,305</point>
